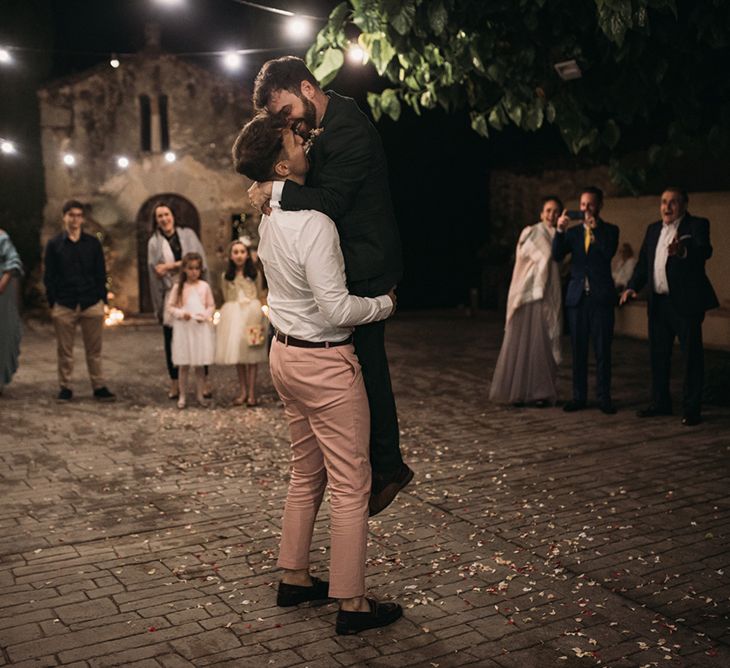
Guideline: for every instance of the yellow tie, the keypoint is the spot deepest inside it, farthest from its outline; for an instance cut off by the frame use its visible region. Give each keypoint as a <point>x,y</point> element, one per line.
<point>588,237</point>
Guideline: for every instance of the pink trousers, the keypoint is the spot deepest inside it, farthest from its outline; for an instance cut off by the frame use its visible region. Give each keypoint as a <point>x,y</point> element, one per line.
<point>329,423</point>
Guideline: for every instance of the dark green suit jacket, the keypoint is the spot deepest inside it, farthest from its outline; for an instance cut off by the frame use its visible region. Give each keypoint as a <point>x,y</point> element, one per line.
<point>348,181</point>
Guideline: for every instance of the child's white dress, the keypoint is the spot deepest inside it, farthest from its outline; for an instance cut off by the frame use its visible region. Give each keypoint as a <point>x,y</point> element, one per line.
<point>193,341</point>
<point>240,314</point>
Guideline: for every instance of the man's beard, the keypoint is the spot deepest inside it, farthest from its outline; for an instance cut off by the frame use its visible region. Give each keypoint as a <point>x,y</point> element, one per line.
<point>308,121</point>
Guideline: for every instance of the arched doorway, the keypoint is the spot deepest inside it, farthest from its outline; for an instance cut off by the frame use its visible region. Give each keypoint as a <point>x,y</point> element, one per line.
<point>186,215</point>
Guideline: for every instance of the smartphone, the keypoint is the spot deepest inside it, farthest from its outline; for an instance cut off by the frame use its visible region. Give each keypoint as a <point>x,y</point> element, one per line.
<point>576,215</point>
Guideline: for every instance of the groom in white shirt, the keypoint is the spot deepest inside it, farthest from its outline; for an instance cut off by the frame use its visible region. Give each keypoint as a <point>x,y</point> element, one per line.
<point>317,374</point>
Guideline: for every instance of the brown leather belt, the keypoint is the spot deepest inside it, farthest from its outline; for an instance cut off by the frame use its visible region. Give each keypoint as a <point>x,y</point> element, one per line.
<point>301,343</point>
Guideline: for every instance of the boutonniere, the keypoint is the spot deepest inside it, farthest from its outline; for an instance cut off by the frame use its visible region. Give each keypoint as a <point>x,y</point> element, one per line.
<point>313,134</point>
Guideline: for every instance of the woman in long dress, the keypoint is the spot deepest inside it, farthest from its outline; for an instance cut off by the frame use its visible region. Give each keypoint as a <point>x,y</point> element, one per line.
<point>527,367</point>
<point>11,268</point>
<point>165,249</point>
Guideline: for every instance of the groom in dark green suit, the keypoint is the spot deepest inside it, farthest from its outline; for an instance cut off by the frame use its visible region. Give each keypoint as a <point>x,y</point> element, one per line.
<point>348,181</point>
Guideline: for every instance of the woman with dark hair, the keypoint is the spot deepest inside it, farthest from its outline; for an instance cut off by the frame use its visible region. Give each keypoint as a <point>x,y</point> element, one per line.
<point>527,367</point>
<point>167,245</point>
<point>11,268</point>
<point>241,334</point>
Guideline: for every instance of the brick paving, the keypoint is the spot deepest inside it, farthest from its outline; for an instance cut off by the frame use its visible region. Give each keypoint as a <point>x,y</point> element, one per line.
<point>134,534</point>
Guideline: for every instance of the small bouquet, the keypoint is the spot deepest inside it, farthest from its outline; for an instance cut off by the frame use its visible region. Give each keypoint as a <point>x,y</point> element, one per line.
<point>255,335</point>
<point>313,134</point>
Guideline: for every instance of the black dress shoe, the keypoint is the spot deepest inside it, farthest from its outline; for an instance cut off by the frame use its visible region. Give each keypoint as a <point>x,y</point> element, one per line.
<point>383,492</point>
<point>608,408</point>
<point>652,410</point>
<point>103,394</point>
<point>691,420</point>
<point>572,406</point>
<point>290,595</point>
<point>66,394</point>
<point>381,614</point>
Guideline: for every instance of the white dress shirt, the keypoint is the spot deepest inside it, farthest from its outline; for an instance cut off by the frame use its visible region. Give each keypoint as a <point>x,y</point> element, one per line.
<point>666,236</point>
<point>304,268</point>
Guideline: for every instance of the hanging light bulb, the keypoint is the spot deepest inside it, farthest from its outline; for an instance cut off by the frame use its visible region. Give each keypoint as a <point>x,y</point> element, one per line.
<point>8,147</point>
<point>69,159</point>
<point>123,161</point>
<point>5,57</point>
<point>232,60</point>
<point>170,156</point>
<point>356,54</point>
<point>298,28</point>
<point>114,62</point>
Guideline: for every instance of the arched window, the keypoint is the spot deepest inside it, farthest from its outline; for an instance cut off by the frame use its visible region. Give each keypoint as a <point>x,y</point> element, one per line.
<point>164,125</point>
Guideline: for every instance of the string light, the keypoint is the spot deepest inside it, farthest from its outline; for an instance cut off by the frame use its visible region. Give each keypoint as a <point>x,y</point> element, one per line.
<point>8,147</point>
<point>114,62</point>
<point>170,156</point>
<point>298,28</point>
<point>69,159</point>
<point>233,60</point>
<point>123,161</point>
<point>5,57</point>
<point>356,55</point>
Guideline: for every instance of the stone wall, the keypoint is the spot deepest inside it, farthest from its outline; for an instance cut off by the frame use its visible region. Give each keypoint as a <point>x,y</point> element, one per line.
<point>96,117</point>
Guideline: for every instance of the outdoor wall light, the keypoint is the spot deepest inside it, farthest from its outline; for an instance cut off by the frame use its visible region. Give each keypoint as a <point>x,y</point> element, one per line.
<point>69,159</point>
<point>568,70</point>
<point>123,162</point>
<point>170,156</point>
<point>114,62</point>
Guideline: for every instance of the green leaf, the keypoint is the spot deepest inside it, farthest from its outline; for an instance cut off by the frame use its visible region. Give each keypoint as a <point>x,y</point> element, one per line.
<point>403,19</point>
<point>390,103</point>
<point>479,124</point>
<point>375,105</point>
<point>379,50</point>
<point>330,64</point>
<point>438,17</point>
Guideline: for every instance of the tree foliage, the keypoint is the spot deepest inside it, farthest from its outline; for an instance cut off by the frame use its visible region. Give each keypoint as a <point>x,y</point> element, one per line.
<point>649,67</point>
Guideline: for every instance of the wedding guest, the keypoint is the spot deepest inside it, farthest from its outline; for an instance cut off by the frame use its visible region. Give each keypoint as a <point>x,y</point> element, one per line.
<point>11,270</point>
<point>672,262</point>
<point>75,280</point>
<point>242,329</point>
<point>623,266</point>
<point>527,367</point>
<point>165,249</point>
<point>591,296</point>
<point>317,374</point>
<point>348,181</point>
<point>190,307</point>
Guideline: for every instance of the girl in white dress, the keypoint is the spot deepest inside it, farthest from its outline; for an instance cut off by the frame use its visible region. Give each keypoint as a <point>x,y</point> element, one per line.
<point>241,331</point>
<point>190,307</point>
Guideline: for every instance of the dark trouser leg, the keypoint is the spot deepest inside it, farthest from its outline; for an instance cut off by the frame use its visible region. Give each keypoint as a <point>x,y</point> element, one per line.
<point>689,329</point>
<point>601,324</point>
<point>578,320</point>
<point>661,341</point>
<point>171,368</point>
<point>385,455</point>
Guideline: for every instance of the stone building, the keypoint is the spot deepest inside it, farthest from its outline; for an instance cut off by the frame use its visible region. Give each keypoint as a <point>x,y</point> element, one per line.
<point>156,126</point>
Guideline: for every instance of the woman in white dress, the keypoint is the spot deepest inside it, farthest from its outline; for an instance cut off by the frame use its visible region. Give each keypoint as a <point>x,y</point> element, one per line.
<point>241,332</point>
<point>190,308</point>
<point>527,367</point>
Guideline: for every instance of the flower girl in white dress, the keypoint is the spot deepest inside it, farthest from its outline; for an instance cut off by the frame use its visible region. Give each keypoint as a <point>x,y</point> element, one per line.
<point>241,332</point>
<point>190,307</point>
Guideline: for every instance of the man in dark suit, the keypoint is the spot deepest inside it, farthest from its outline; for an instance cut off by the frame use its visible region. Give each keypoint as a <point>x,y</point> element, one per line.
<point>591,296</point>
<point>672,262</point>
<point>348,181</point>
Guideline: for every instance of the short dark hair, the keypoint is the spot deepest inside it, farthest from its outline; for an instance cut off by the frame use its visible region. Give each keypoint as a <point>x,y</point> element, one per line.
<point>286,73</point>
<point>551,198</point>
<point>258,147</point>
<point>680,191</point>
<point>593,190</point>
<point>71,204</point>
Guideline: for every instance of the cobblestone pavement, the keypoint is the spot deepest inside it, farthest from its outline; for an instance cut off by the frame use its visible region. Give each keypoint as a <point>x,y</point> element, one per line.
<point>135,534</point>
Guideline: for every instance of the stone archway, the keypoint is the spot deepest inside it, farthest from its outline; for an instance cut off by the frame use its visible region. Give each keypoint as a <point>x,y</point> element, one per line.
<point>186,215</point>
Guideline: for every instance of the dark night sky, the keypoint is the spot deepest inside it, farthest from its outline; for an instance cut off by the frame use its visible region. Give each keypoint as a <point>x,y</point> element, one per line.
<point>439,167</point>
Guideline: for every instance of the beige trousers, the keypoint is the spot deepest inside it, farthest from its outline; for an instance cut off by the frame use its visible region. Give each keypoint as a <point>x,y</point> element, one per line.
<point>329,423</point>
<point>91,320</point>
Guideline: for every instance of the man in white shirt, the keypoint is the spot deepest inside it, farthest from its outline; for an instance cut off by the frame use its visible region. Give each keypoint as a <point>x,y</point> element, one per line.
<point>318,377</point>
<point>672,262</point>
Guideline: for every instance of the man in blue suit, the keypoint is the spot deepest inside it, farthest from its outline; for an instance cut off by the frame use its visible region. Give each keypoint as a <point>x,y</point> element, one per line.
<point>672,264</point>
<point>591,296</point>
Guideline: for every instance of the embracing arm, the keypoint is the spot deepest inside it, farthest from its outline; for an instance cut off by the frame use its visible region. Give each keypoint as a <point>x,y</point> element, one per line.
<point>346,163</point>
<point>324,268</point>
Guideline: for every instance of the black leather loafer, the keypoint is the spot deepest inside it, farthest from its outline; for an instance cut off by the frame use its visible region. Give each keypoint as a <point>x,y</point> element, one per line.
<point>290,595</point>
<point>382,495</point>
<point>381,614</point>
